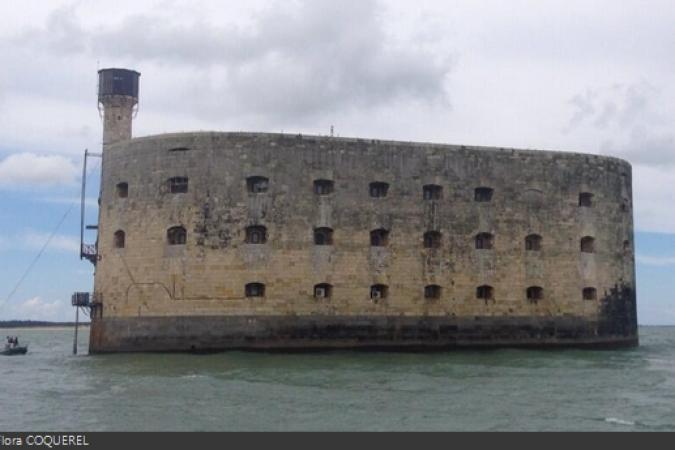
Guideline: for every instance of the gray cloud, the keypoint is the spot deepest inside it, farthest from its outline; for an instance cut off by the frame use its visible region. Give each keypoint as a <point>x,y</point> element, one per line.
<point>657,261</point>
<point>632,119</point>
<point>597,33</point>
<point>644,146</point>
<point>62,32</point>
<point>294,61</point>
<point>584,106</point>
<point>619,106</point>
<point>37,308</point>
<point>29,170</point>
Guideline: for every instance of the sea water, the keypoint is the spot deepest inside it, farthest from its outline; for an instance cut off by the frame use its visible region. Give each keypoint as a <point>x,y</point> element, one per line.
<point>50,389</point>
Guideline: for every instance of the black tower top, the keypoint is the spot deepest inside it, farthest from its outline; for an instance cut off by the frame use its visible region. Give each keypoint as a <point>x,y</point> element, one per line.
<point>118,82</point>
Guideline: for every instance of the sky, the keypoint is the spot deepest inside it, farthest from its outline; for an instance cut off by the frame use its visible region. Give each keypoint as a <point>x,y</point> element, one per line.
<point>575,75</point>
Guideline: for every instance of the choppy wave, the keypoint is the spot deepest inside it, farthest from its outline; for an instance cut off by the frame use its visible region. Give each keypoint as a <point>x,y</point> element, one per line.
<point>616,421</point>
<point>505,390</point>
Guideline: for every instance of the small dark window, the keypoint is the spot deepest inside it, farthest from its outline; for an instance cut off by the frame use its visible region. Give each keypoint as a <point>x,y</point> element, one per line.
<point>123,190</point>
<point>256,235</point>
<point>176,236</point>
<point>433,239</point>
<point>119,239</point>
<point>324,187</point>
<point>379,190</point>
<point>433,192</point>
<point>323,236</point>
<point>590,294</point>
<point>624,206</point>
<point>588,245</point>
<point>178,185</point>
<point>432,292</point>
<point>378,292</point>
<point>255,290</point>
<point>484,241</point>
<point>535,294</point>
<point>485,293</point>
<point>179,150</point>
<point>323,291</point>
<point>533,243</point>
<point>484,194</point>
<point>586,200</point>
<point>258,185</point>
<point>379,238</point>
<point>626,247</point>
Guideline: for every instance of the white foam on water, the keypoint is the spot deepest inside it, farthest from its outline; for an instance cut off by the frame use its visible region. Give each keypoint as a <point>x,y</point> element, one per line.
<point>193,376</point>
<point>616,421</point>
<point>118,388</point>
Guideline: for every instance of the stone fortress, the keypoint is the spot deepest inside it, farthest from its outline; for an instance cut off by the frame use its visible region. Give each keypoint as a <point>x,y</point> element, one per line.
<point>218,241</point>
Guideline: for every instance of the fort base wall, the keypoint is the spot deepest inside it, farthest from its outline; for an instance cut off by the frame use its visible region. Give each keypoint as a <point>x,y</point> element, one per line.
<point>284,333</point>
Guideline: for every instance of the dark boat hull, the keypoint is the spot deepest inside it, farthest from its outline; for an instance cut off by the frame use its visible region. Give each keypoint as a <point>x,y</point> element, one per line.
<point>15,351</point>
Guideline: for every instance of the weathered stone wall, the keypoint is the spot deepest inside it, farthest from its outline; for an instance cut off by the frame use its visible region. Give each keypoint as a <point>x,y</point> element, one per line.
<point>118,115</point>
<point>535,192</point>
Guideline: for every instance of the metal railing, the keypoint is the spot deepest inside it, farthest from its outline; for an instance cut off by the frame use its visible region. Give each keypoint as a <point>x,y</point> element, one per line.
<point>89,252</point>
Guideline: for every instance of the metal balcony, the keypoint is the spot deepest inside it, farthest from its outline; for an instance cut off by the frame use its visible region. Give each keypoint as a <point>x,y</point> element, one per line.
<point>90,253</point>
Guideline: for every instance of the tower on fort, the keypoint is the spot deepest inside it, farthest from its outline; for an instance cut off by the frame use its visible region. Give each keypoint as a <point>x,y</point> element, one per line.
<point>117,102</point>
<point>256,241</point>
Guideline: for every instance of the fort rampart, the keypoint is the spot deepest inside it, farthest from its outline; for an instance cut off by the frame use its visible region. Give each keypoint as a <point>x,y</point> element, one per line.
<point>214,241</point>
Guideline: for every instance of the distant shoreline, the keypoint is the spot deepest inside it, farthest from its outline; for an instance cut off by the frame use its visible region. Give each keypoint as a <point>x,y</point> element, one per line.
<point>37,324</point>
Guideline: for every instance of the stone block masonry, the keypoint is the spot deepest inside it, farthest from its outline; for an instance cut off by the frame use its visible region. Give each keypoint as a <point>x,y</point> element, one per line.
<point>273,241</point>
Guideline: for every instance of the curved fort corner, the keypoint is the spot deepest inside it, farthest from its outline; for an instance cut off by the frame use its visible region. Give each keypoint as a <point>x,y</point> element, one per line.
<point>216,241</point>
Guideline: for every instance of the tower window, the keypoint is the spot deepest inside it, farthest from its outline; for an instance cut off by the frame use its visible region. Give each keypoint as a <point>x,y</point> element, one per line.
<point>533,243</point>
<point>484,194</point>
<point>256,235</point>
<point>379,238</point>
<point>323,236</point>
<point>323,291</point>
<point>378,292</point>
<point>324,187</point>
<point>176,236</point>
<point>432,292</point>
<point>588,245</point>
<point>122,190</point>
<point>255,290</point>
<point>586,200</point>
<point>258,185</point>
<point>119,239</point>
<point>432,239</point>
<point>590,294</point>
<point>486,293</point>
<point>379,190</point>
<point>432,192</point>
<point>484,241</point>
<point>535,294</point>
<point>178,185</point>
